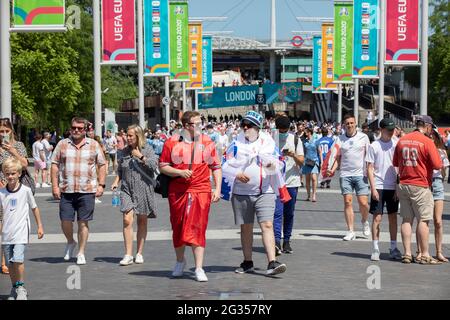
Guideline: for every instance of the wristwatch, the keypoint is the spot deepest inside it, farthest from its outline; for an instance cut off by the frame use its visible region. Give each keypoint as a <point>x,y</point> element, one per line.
<point>141,158</point>
<point>102,185</point>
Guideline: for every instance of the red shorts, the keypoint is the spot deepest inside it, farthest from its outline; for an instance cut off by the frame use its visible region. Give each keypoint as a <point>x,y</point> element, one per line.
<point>189,218</point>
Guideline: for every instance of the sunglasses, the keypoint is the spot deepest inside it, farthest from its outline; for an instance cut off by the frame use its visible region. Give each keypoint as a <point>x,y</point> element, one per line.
<point>247,124</point>
<point>78,128</point>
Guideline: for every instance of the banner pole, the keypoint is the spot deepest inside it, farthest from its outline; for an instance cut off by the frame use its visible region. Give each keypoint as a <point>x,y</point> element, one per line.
<point>97,70</point>
<point>196,99</point>
<point>356,100</point>
<point>184,97</point>
<point>424,61</point>
<point>5,67</point>
<point>382,57</point>
<point>339,102</point>
<point>140,65</point>
<point>167,106</point>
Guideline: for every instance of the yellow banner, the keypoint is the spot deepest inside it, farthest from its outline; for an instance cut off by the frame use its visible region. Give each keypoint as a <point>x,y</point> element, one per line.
<point>195,56</point>
<point>327,57</point>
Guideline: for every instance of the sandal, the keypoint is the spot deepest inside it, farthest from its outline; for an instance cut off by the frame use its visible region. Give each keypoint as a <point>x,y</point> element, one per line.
<point>429,260</point>
<point>418,257</point>
<point>407,259</point>
<point>5,269</point>
<point>440,257</point>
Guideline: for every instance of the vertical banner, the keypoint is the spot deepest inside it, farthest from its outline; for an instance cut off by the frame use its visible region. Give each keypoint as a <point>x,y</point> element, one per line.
<point>179,38</point>
<point>207,65</point>
<point>39,14</point>
<point>156,38</point>
<point>118,32</point>
<point>402,32</point>
<point>343,42</point>
<point>365,48</point>
<point>317,64</point>
<point>327,57</point>
<point>195,56</point>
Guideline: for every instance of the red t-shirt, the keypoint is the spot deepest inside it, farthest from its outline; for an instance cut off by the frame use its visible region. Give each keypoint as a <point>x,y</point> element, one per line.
<point>416,157</point>
<point>178,154</point>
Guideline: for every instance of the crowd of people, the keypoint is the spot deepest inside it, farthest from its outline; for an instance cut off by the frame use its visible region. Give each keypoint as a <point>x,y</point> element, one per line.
<point>257,164</point>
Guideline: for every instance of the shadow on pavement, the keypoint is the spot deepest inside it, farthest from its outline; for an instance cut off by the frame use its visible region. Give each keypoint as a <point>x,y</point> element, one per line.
<point>114,260</point>
<point>333,236</point>
<point>52,260</point>
<point>446,217</point>
<point>255,249</point>
<point>364,256</point>
<point>158,274</point>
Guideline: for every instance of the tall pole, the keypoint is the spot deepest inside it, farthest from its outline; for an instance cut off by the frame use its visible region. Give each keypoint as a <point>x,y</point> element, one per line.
<point>184,97</point>
<point>273,41</point>
<point>382,56</point>
<point>196,99</point>
<point>141,65</point>
<point>167,106</point>
<point>424,61</point>
<point>97,70</point>
<point>356,101</point>
<point>339,102</point>
<point>5,80</point>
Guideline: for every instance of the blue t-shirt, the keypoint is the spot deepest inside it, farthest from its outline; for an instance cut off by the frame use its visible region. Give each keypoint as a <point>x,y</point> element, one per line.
<point>325,143</point>
<point>156,144</point>
<point>214,137</point>
<point>310,149</point>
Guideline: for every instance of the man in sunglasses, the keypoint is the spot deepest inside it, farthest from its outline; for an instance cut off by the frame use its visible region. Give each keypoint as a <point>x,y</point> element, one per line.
<point>75,184</point>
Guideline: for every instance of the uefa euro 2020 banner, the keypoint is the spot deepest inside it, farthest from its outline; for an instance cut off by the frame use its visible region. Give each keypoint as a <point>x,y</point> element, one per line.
<point>39,14</point>
<point>365,48</point>
<point>402,32</point>
<point>179,38</point>
<point>156,38</point>
<point>317,64</point>
<point>195,56</point>
<point>327,57</point>
<point>207,65</point>
<point>118,32</point>
<point>343,42</point>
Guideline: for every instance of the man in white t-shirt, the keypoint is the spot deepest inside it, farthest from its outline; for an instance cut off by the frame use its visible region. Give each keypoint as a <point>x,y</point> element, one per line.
<point>48,148</point>
<point>224,141</point>
<point>110,143</point>
<point>292,150</point>
<point>352,149</point>
<point>383,183</point>
<point>40,165</point>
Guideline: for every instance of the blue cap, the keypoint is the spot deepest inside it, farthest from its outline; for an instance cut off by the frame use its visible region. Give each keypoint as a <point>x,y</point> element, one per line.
<point>255,118</point>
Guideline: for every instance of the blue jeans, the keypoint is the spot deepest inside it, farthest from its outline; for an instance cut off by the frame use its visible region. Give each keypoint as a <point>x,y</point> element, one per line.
<point>284,213</point>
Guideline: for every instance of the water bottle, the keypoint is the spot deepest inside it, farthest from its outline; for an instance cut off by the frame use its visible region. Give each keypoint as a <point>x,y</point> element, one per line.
<point>116,198</point>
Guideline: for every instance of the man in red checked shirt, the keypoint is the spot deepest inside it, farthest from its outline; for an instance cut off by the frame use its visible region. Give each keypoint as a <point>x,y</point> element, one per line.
<point>416,157</point>
<point>188,159</point>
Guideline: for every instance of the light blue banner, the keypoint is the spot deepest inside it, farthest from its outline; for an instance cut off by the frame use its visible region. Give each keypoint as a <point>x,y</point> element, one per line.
<point>365,55</point>
<point>237,96</point>
<point>207,65</point>
<point>317,64</point>
<point>156,37</point>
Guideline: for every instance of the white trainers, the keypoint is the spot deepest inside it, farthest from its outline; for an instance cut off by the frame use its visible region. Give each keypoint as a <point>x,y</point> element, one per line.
<point>139,259</point>
<point>21,293</point>
<point>375,255</point>
<point>178,270</point>
<point>366,229</point>
<point>81,259</point>
<point>38,185</point>
<point>45,185</point>
<point>68,253</point>
<point>350,235</point>
<point>126,261</point>
<point>97,200</point>
<point>200,275</point>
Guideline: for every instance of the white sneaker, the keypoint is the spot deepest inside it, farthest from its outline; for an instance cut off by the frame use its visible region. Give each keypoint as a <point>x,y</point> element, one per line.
<point>44,185</point>
<point>38,185</point>
<point>126,261</point>
<point>366,229</point>
<point>97,200</point>
<point>68,253</point>
<point>200,275</point>
<point>81,259</point>
<point>178,270</point>
<point>375,255</point>
<point>350,235</point>
<point>139,259</point>
<point>21,293</point>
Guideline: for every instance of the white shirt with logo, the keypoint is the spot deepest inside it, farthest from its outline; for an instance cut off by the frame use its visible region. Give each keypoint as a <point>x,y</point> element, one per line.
<point>353,152</point>
<point>380,154</point>
<point>292,171</point>
<point>16,207</point>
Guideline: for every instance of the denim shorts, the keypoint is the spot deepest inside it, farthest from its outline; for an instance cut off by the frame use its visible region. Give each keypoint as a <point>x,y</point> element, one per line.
<point>359,184</point>
<point>14,253</point>
<point>438,189</point>
<point>82,203</point>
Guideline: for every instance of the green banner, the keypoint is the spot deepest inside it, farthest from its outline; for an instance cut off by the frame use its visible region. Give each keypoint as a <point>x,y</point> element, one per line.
<point>343,42</point>
<point>179,41</point>
<point>39,13</point>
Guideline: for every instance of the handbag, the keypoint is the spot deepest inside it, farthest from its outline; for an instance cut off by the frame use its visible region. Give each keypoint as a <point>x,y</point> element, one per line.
<point>310,163</point>
<point>27,180</point>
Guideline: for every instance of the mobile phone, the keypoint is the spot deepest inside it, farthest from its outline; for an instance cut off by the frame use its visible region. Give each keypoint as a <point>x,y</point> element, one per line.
<point>5,139</point>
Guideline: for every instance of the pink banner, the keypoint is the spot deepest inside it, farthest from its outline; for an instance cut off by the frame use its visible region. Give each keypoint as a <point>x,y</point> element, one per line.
<point>118,31</point>
<point>402,31</point>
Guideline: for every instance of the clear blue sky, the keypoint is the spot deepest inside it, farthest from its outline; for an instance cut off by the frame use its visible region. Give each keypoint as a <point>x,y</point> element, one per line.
<point>251,18</point>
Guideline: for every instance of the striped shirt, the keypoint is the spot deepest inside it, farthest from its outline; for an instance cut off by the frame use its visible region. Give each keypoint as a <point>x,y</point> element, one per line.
<point>78,165</point>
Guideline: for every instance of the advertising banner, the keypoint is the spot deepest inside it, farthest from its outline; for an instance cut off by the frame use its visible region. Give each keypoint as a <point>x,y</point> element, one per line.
<point>365,47</point>
<point>118,32</point>
<point>343,42</point>
<point>207,65</point>
<point>179,38</point>
<point>317,64</point>
<point>236,96</point>
<point>402,32</point>
<point>39,14</point>
<point>156,38</point>
<point>195,56</point>
<point>327,57</point>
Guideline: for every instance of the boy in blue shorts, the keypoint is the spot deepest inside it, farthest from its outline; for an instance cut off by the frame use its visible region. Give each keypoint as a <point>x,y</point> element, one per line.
<point>16,200</point>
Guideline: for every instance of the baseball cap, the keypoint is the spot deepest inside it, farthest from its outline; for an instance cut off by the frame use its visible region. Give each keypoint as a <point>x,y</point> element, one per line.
<point>425,119</point>
<point>387,124</point>
<point>254,117</point>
